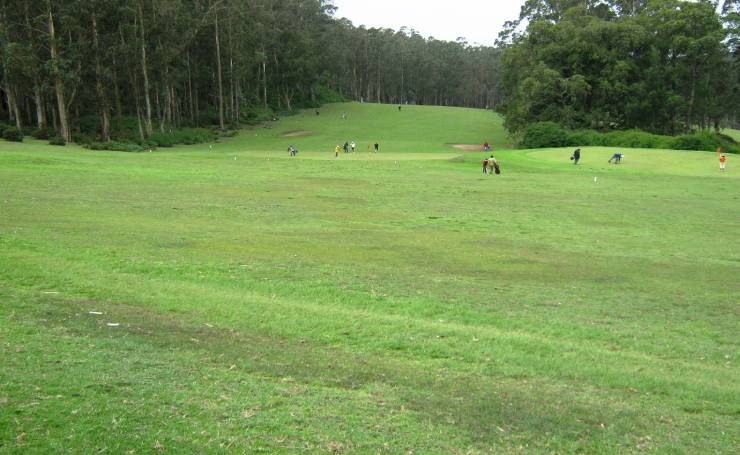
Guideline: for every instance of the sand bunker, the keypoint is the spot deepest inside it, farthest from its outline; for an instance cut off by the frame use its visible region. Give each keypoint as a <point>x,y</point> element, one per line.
<point>468,147</point>
<point>297,134</point>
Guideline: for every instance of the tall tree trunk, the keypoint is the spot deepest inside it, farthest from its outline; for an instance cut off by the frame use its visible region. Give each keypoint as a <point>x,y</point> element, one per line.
<point>264,83</point>
<point>64,130</point>
<point>219,76</point>
<point>145,73</point>
<point>232,82</point>
<point>197,107</point>
<point>102,100</point>
<point>37,99</point>
<point>159,109</point>
<point>117,90</point>
<point>191,106</point>
<point>15,114</point>
<point>692,97</point>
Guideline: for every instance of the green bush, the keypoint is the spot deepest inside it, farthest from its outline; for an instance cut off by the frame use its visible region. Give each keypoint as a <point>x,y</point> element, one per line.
<point>82,138</point>
<point>705,141</point>
<point>57,140</point>
<point>3,127</point>
<point>545,134</point>
<point>255,115</point>
<point>635,139</point>
<point>186,136</point>
<point>13,135</point>
<point>44,133</point>
<point>115,146</point>
<point>163,139</point>
<point>549,134</point>
<point>587,137</point>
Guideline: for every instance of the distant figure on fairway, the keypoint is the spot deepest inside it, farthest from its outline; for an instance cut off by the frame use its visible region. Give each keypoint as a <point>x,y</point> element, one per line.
<point>485,166</point>
<point>377,147</point>
<point>722,161</point>
<point>399,108</point>
<point>353,145</point>
<point>616,158</point>
<point>493,166</point>
<point>346,147</point>
<point>318,113</point>
<point>344,116</point>
<point>486,147</point>
<point>293,151</point>
<point>336,151</point>
<point>576,156</point>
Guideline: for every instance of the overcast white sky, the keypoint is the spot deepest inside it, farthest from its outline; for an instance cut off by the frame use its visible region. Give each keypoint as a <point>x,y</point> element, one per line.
<point>477,20</point>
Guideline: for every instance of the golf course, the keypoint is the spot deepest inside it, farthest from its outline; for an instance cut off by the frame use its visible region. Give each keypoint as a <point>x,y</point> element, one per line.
<point>228,297</point>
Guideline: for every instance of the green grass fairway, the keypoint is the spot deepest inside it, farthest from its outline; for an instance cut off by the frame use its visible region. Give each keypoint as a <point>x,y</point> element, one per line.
<point>414,129</point>
<point>235,300</point>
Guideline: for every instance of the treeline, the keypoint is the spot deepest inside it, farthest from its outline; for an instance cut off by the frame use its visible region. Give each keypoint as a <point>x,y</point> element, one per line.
<point>665,66</point>
<point>110,67</point>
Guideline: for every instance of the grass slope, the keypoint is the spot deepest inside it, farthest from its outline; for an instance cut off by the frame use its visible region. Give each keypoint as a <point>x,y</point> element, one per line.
<point>413,129</point>
<point>367,303</point>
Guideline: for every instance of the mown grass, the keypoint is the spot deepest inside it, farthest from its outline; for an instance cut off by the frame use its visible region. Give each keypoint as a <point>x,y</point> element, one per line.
<point>372,303</point>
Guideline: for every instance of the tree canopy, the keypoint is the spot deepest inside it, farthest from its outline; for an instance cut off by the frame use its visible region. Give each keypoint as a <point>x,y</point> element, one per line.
<point>121,66</point>
<point>665,66</point>
<point>172,63</point>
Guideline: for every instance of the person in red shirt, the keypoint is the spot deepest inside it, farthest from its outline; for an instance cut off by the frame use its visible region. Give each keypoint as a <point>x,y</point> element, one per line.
<point>485,166</point>
<point>722,161</point>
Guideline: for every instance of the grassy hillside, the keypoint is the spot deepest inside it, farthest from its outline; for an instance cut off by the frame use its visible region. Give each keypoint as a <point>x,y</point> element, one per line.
<point>413,129</point>
<point>233,299</point>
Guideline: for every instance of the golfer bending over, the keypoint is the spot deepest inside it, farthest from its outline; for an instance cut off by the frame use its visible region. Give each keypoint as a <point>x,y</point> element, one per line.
<point>617,158</point>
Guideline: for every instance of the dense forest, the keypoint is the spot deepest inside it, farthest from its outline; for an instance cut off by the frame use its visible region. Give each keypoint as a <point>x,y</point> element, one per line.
<point>665,66</point>
<point>92,70</point>
<point>167,64</point>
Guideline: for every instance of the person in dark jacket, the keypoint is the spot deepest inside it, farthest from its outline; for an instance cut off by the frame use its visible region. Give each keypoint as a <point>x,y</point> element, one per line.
<point>576,156</point>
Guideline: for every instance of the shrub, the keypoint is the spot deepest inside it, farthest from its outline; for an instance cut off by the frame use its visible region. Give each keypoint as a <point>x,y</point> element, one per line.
<point>636,139</point>
<point>115,146</point>
<point>57,140</point>
<point>587,137</point>
<point>550,134</point>
<point>182,136</point>
<point>163,139</point>
<point>82,138</point>
<point>44,133</point>
<point>545,134</point>
<point>3,127</point>
<point>255,115</point>
<point>13,135</point>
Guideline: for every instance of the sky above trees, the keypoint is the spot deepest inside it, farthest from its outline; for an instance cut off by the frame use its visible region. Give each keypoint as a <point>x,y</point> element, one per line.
<point>479,21</point>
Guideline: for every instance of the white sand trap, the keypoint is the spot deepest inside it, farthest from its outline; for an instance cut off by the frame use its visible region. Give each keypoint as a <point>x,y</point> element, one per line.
<point>468,147</point>
<point>297,134</point>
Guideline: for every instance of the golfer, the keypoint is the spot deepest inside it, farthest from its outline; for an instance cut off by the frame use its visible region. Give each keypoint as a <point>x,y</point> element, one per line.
<point>576,156</point>
<point>722,161</point>
<point>493,166</point>
<point>617,158</point>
